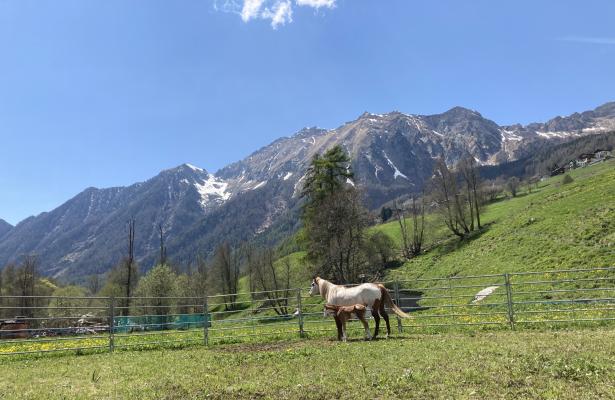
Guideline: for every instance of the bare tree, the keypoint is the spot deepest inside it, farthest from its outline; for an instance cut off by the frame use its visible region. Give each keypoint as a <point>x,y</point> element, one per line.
<point>226,271</point>
<point>418,225</point>
<point>469,172</point>
<point>492,189</point>
<point>200,276</point>
<point>274,283</point>
<point>129,269</point>
<point>513,186</point>
<point>27,276</point>
<point>450,201</point>
<point>94,284</point>
<point>163,248</point>
<point>412,242</point>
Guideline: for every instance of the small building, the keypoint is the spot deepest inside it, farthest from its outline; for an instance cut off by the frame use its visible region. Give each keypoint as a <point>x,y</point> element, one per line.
<point>602,155</point>
<point>14,329</point>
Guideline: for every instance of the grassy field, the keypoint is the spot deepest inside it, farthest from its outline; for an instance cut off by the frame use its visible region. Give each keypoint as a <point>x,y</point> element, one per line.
<point>499,365</point>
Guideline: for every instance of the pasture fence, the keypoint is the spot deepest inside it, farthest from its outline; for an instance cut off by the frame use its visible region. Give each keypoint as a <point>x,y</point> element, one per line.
<point>516,300</point>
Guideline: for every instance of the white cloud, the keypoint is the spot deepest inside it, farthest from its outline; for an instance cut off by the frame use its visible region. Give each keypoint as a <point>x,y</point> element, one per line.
<point>586,39</point>
<point>279,12</point>
<point>251,9</point>
<point>316,3</point>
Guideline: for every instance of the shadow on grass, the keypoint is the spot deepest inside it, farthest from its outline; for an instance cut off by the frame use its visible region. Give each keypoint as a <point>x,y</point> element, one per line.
<point>363,340</point>
<point>455,244</point>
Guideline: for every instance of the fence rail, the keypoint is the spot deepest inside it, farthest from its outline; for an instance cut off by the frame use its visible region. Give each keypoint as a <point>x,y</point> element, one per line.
<point>520,300</point>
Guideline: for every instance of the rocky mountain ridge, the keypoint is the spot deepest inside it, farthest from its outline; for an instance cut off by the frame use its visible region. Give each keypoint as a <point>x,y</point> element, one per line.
<point>392,154</point>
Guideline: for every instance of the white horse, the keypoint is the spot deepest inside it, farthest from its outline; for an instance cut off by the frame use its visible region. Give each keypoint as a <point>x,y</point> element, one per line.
<point>372,295</point>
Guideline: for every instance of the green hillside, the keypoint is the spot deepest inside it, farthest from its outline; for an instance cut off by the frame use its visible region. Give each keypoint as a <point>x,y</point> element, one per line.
<point>556,226</point>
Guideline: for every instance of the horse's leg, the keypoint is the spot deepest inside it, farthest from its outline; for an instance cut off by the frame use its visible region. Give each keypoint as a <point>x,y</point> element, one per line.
<point>344,337</point>
<point>375,308</point>
<point>384,314</point>
<point>338,325</point>
<point>368,335</point>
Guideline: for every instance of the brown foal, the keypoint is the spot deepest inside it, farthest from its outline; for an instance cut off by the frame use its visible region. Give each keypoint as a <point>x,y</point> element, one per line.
<point>342,314</point>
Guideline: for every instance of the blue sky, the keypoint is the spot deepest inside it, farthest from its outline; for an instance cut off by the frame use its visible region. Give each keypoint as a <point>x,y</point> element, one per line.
<point>109,92</point>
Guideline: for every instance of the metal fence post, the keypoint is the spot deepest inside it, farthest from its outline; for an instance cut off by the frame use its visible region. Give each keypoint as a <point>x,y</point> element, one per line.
<point>111,324</point>
<point>205,322</point>
<point>397,303</point>
<point>511,313</point>
<point>300,314</point>
<point>253,315</point>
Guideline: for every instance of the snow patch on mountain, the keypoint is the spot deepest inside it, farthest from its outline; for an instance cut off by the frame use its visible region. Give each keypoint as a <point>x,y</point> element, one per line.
<point>510,135</point>
<point>397,172</point>
<point>211,187</point>
<point>260,184</point>
<point>194,168</point>
<point>377,168</point>
<point>298,187</point>
<point>558,134</point>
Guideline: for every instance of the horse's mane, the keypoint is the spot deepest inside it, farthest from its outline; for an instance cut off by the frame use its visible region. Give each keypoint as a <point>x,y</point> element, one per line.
<point>323,286</point>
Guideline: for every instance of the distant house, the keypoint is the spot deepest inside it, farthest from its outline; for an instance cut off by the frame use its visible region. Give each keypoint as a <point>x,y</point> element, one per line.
<point>584,159</point>
<point>600,155</point>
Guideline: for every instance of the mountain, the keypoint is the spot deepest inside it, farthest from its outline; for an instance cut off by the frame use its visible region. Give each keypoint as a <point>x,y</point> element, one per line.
<point>394,153</point>
<point>86,234</point>
<point>5,227</point>
<point>258,197</point>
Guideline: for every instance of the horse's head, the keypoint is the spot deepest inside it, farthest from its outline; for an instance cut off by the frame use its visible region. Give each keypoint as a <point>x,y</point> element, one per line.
<point>314,289</point>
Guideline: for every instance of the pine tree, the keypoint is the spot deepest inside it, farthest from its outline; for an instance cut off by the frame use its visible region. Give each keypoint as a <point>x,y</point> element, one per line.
<point>334,217</point>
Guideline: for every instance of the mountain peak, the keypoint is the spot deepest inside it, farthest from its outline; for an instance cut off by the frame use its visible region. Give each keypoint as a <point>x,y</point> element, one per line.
<point>367,114</point>
<point>309,131</point>
<point>192,167</point>
<point>605,110</point>
<point>458,111</point>
<point>4,227</point>
<point>186,168</point>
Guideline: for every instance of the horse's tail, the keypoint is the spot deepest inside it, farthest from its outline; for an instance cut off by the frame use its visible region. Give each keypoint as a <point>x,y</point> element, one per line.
<point>388,301</point>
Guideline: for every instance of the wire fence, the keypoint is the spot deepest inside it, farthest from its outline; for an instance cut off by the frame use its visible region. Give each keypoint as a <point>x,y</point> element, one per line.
<point>526,300</point>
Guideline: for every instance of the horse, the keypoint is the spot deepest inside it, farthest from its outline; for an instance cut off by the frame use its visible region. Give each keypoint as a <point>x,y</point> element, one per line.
<point>372,295</point>
<point>342,314</point>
